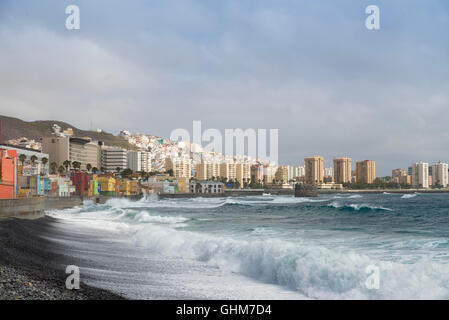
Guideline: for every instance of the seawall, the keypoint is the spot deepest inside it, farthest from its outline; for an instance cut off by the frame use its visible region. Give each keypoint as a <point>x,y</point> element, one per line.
<point>32,208</point>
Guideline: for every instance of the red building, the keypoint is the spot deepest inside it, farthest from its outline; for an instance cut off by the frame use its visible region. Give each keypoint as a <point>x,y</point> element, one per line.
<point>81,182</point>
<point>8,174</point>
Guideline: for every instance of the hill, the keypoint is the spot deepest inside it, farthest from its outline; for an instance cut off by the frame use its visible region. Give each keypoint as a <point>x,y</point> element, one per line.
<point>15,128</point>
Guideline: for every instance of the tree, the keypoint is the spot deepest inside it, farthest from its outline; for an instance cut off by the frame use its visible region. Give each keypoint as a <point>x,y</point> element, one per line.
<point>126,173</point>
<point>53,167</point>
<point>117,169</point>
<point>61,169</point>
<point>22,158</point>
<point>197,187</point>
<point>67,164</point>
<point>76,165</point>
<point>169,172</point>
<point>33,159</point>
<point>88,167</point>
<point>44,162</point>
<point>94,170</point>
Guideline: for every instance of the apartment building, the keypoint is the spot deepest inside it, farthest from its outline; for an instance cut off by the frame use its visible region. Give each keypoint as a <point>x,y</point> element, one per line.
<point>440,174</point>
<point>269,173</point>
<point>420,175</point>
<point>201,171</point>
<point>300,171</point>
<point>134,159</point>
<point>366,171</point>
<point>257,173</point>
<point>113,158</point>
<point>228,171</point>
<point>182,168</point>
<point>145,161</point>
<point>243,173</point>
<point>342,170</point>
<point>314,169</point>
<point>83,150</point>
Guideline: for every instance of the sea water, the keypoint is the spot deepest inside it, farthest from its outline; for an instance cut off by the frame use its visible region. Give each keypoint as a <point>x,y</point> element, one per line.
<point>264,247</point>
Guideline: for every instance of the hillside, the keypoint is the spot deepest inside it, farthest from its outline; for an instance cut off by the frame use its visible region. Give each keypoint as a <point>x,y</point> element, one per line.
<point>15,128</point>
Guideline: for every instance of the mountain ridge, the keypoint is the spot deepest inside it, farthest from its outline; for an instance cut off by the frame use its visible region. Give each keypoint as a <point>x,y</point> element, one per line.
<point>13,128</point>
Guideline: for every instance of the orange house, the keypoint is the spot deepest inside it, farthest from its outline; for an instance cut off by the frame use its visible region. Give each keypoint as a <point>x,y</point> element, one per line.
<point>8,174</point>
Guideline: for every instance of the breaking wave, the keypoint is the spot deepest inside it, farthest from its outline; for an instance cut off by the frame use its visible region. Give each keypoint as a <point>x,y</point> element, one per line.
<point>316,272</point>
<point>357,207</point>
<point>409,195</point>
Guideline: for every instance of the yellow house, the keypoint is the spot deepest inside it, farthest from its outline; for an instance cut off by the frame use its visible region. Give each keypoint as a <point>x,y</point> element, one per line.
<point>183,185</point>
<point>107,185</point>
<point>125,187</point>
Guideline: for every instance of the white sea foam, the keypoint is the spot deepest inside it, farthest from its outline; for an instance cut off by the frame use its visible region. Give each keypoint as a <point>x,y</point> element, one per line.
<point>314,271</point>
<point>357,206</point>
<point>146,217</point>
<point>409,195</point>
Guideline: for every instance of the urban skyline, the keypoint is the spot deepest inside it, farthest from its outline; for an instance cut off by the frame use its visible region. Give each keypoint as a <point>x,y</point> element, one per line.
<point>238,65</point>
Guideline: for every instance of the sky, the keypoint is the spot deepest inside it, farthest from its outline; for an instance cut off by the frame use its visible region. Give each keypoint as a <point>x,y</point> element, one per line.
<point>308,68</point>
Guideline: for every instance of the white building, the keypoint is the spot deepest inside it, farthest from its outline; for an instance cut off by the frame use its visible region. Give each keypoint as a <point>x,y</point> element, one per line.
<point>113,158</point>
<point>420,175</point>
<point>300,171</point>
<point>135,161</point>
<point>440,174</point>
<point>329,172</point>
<point>145,161</point>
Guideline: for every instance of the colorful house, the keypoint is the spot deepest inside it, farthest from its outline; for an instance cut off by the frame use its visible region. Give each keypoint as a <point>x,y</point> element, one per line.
<point>107,185</point>
<point>135,187</point>
<point>125,187</point>
<point>81,182</point>
<point>8,174</point>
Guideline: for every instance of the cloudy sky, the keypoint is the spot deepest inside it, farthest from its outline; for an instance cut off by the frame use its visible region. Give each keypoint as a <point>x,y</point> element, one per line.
<point>308,68</point>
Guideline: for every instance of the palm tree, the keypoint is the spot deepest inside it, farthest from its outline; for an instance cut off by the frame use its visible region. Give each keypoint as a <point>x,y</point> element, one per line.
<point>88,167</point>
<point>53,167</point>
<point>33,159</point>
<point>76,165</point>
<point>61,169</point>
<point>67,164</point>
<point>22,158</point>
<point>44,161</point>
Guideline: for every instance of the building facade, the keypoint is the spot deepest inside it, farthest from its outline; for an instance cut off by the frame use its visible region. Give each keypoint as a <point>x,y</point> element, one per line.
<point>420,175</point>
<point>134,159</point>
<point>113,159</point>
<point>440,174</point>
<point>342,170</point>
<point>314,170</point>
<point>366,171</point>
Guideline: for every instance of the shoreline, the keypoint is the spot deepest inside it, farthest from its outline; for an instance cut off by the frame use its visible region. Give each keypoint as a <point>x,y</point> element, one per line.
<point>34,208</point>
<point>31,269</point>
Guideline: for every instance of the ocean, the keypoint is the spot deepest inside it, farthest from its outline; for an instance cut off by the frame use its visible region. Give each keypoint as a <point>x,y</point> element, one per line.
<point>262,247</point>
